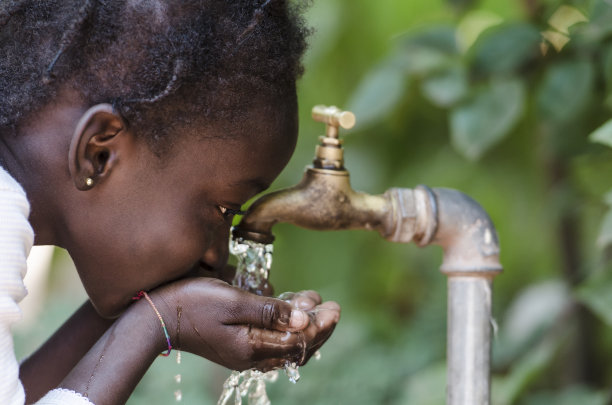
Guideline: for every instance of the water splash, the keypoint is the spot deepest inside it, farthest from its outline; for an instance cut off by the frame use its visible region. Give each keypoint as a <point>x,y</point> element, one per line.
<point>252,273</point>
<point>253,267</point>
<point>250,384</point>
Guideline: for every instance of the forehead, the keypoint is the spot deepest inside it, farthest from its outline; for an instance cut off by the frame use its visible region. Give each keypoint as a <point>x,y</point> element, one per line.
<point>249,151</point>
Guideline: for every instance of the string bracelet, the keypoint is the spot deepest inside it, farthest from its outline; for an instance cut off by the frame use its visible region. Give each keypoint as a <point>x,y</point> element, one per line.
<point>161,320</point>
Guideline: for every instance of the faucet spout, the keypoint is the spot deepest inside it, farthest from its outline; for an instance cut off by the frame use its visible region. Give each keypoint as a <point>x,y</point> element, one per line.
<point>323,200</point>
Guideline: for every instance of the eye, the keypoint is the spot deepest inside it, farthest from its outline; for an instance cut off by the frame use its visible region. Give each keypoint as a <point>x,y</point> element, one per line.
<point>229,212</point>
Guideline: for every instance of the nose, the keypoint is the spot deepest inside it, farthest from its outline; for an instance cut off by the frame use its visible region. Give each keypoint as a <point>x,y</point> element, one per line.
<point>217,253</point>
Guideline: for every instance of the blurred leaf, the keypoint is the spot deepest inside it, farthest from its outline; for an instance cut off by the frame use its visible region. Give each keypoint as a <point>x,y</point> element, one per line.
<point>565,90</point>
<point>484,120</point>
<point>447,87</point>
<point>564,17</point>
<point>596,291</point>
<point>607,66</point>
<point>591,173</point>
<point>424,387</point>
<point>557,39</point>
<point>461,5</point>
<point>607,69</point>
<point>505,49</point>
<point>506,390</point>
<point>426,51</point>
<point>377,94</point>
<point>608,198</point>
<point>473,24</point>
<point>534,311</point>
<point>569,396</point>
<point>604,238</point>
<point>603,134</point>
<point>600,24</point>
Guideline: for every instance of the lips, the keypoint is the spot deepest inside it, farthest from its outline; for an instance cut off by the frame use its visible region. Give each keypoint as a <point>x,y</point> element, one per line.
<point>201,269</point>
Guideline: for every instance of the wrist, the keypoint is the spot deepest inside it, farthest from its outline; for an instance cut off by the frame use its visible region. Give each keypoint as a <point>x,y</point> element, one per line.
<point>143,317</point>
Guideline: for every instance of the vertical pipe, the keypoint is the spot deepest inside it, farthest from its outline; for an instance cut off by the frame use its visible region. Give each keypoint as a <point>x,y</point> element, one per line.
<point>468,339</point>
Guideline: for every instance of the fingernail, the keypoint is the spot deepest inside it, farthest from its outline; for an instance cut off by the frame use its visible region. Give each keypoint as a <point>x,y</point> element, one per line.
<point>298,319</point>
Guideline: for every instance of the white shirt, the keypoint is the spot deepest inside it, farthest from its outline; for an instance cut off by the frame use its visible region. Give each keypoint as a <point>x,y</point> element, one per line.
<point>16,238</point>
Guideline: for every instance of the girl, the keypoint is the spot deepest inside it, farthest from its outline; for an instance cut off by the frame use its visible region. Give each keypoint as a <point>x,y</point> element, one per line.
<point>136,128</point>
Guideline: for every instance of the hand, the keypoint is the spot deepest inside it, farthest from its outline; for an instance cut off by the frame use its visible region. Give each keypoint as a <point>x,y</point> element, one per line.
<point>240,330</point>
<point>320,314</point>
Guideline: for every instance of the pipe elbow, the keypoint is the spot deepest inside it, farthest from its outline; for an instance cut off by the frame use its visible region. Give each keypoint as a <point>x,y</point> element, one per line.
<point>466,234</point>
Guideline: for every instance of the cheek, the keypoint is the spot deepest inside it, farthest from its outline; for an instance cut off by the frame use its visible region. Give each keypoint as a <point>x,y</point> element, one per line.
<point>173,249</point>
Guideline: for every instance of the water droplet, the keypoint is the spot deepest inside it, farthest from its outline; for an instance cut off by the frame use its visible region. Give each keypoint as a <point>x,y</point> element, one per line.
<point>178,395</point>
<point>177,378</point>
<point>292,371</point>
<point>317,355</point>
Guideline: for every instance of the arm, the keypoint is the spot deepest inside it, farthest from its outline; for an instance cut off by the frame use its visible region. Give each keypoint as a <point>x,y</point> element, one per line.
<point>224,324</point>
<point>48,366</point>
<point>51,363</point>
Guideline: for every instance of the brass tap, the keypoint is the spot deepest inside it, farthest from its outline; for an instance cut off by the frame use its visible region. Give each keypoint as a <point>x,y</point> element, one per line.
<point>324,199</point>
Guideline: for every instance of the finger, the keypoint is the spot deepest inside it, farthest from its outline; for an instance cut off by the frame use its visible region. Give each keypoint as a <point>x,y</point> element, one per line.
<point>306,300</point>
<point>267,344</point>
<point>326,314</point>
<point>264,312</point>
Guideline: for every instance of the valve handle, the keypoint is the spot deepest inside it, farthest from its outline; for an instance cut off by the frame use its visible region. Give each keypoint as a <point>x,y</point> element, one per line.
<point>334,117</point>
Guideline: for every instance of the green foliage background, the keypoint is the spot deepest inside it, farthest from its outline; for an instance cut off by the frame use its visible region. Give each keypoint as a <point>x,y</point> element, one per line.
<point>462,94</point>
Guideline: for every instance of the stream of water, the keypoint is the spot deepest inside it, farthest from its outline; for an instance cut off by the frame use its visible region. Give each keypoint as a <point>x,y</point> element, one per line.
<point>252,272</point>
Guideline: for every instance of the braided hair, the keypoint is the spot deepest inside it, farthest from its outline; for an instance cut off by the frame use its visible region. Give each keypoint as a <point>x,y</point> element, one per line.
<point>151,59</point>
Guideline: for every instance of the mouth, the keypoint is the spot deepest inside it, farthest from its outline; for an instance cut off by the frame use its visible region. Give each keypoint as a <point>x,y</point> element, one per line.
<point>201,269</point>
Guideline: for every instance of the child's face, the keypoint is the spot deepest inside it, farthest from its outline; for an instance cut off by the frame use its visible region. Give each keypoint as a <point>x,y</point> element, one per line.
<point>158,219</point>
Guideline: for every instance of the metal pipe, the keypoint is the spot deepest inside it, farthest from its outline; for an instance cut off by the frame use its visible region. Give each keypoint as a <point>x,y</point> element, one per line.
<point>468,340</point>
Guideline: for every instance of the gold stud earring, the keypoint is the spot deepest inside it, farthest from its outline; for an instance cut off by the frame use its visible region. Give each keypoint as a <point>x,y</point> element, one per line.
<point>89,182</point>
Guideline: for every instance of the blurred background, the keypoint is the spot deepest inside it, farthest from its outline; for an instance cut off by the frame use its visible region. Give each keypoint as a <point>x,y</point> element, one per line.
<point>505,100</point>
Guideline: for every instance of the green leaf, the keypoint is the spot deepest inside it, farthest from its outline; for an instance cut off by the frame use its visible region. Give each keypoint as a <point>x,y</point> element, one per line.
<point>484,120</point>
<point>447,87</point>
<point>600,24</point>
<point>526,371</point>
<point>573,395</point>
<point>423,388</point>
<point>473,24</point>
<point>565,17</point>
<point>505,49</point>
<point>565,90</point>
<point>603,134</point>
<point>377,94</point>
<point>596,291</point>
<point>605,233</point>
<point>422,52</point>
<point>532,314</point>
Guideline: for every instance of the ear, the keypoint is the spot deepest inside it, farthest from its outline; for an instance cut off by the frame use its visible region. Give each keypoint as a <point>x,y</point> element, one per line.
<point>94,146</point>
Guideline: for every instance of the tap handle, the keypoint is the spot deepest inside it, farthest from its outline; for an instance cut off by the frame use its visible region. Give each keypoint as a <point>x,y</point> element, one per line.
<point>333,116</point>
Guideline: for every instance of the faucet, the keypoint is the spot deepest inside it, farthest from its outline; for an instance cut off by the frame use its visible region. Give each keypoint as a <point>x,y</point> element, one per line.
<point>325,200</point>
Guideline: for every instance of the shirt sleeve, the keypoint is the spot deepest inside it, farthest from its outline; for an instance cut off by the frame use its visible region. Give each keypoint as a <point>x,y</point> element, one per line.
<point>16,238</point>
<point>61,396</point>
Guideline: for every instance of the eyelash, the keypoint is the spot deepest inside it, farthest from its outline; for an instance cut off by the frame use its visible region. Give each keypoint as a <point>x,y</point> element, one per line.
<point>230,212</point>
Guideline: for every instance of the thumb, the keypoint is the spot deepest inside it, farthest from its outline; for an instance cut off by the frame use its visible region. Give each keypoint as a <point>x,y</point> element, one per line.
<point>267,313</point>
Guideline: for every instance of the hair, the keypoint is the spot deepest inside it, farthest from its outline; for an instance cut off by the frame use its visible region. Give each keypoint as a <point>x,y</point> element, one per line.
<point>152,59</point>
